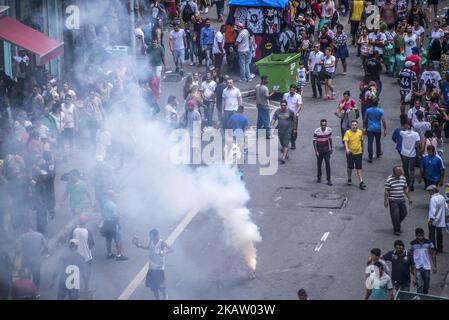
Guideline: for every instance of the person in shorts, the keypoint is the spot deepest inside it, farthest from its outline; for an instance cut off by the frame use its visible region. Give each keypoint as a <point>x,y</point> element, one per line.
<point>353,140</point>
<point>285,119</point>
<point>407,83</point>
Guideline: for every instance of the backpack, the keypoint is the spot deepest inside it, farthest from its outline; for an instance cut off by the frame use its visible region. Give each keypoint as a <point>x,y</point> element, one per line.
<point>187,13</point>
<point>291,43</point>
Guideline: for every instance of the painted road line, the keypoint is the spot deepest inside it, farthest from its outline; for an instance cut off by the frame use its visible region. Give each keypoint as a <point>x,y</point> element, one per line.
<point>321,242</point>
<point>134,284</point>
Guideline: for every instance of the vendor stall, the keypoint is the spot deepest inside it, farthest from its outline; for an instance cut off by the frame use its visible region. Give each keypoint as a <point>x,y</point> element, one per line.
<point>263,18</point>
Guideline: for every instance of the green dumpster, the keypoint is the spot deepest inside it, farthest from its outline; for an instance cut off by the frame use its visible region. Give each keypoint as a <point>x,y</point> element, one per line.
<point>281,70</point>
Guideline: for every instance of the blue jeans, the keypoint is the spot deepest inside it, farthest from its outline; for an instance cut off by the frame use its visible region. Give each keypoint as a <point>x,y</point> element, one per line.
<point>209,112</point>
<point>220,8</point>
<point>422,280</point>
<point>178,58</point>
<point>208,55</point>
<point>244,62</point>
<point>263,119</point>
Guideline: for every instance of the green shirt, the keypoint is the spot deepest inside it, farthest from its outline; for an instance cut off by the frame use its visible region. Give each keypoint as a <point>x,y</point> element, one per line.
<point>156,55</point>
<point>78,198</point>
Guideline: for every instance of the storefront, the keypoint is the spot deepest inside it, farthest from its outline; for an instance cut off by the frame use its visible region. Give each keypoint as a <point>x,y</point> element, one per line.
<point>33,25</point>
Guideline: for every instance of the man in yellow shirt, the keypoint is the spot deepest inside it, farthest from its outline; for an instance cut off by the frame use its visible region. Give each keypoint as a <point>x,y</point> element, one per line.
<point>353,140</point>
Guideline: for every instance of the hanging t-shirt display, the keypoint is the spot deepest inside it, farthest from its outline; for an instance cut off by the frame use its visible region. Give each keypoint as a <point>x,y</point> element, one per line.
<point>255,20</point>
<point>272,23</point>
<point>259,46</point>
<point>240,15</point>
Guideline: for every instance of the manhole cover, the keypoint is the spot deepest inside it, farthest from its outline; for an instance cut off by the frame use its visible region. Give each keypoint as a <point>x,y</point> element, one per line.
<point>294,197</point>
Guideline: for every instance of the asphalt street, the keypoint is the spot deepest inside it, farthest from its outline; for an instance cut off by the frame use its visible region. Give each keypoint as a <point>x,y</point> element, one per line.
<point>307,242</point>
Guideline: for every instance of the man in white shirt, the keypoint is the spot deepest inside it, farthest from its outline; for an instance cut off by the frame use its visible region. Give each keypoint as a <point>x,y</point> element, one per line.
<point>438,213</point>
<point>218,48</point>
<point>315,58</point>
<point>378,40</point>
<point>430,78</point>
<point>232,99</point>
<point>294,103</point>
<point>411,113</point>
<point>243,47</point>
<point>178,43</point>
<point>208,95</point>
<point>410,143</point>
<point>86,243</point>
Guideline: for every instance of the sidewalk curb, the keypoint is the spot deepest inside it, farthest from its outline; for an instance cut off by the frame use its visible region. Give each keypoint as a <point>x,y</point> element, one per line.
<point>250,93</point>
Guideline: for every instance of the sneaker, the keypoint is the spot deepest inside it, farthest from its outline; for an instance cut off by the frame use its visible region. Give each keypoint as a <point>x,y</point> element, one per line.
<point>282,161</point>
<point>396,233</point>
<point>121,258</point>
<point>252,76</point>
<point>370,160</point>
<point>333,95</point>
<point>318,180</point>
<point>380,155</point>
<point>249,80</point>
<point>362,185</point>
<point>349,182</point>
<point>110,256</point>
<point>411,188</point>
<point>329,183</point>
<point>313,97</point>
<point>206,10</point>
<point>327,97</point>
<point>240,80</point>
<point>293,146</point>
<point>181,73</point>
<point>191,63</point>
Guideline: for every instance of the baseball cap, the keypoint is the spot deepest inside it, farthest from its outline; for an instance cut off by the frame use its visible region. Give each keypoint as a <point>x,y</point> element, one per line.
<point>431,187</point>
<point>409,64</point>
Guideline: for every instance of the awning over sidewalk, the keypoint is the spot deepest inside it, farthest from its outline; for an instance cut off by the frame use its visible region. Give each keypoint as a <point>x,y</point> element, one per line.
<point>29,39</point>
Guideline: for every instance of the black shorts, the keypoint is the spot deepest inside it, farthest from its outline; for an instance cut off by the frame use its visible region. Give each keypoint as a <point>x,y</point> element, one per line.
<point>284,137</point>
<point>155,279</point>
<point>354,161</point>
<point>403,94</point>
<point>68,134</point>
<point>328,75</point>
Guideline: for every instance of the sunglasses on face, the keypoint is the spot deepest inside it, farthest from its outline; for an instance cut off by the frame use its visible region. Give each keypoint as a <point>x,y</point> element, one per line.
<point>283,105</point>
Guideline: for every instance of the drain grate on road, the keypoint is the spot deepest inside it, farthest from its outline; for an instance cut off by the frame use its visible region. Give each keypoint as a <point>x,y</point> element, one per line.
<point>291,197</point>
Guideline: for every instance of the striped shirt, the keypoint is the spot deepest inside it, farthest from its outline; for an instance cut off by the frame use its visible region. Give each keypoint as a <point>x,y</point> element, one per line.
<point>322,139</point>
<point>396,187</point>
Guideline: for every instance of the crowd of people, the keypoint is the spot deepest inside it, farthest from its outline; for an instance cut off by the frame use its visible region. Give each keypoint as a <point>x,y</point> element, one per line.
<point>46,121</point>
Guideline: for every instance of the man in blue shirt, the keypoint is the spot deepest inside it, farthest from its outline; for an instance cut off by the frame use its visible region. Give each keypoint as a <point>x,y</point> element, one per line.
<point>432,168</point>
<point>373,118</point>
<point>445,91</point>
<point>207,36</point>
<point>396,137</point>
<point>238,122</point>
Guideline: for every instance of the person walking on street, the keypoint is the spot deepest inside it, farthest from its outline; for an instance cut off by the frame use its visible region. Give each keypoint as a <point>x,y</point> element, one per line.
<point>314,61</point>
<point>32,247</point>
<point>438,216</point>
<point>207,37</point>
<point>23,288</point>
<point>322,143</point>
<point>432,168</point>
<point>424,256</point>
<point>410,143</point>
<point>402,266</point>
<point>156,58</point>
<point>262,103</point>
<point>395,192</point>
<point>208,95</point>
<point>218,47</point>
<point>294,103</point>
<point>244,50</point>
<point>86,243</point>
<point>383,289</point>
<point>70,270</point>
<point>231,100</point>
<point>285,120</point>
<point>373,119</point>
<point>353,140</point>
<point>111,229</point>
<point>155,278</point>
<point>178,44</point>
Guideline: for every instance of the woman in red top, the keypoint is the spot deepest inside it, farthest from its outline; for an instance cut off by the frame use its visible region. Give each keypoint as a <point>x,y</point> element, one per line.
<point>344,111</point>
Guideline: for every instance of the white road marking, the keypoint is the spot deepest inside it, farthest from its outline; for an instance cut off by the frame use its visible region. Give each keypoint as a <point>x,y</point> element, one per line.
<point>170,240</point>
<point>321,242</point>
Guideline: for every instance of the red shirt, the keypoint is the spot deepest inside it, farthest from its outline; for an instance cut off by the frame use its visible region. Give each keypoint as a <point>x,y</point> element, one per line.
<point>417,61</point>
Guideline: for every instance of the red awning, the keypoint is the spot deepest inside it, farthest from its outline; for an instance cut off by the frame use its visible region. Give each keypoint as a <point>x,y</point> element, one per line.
<point>29,39</point>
